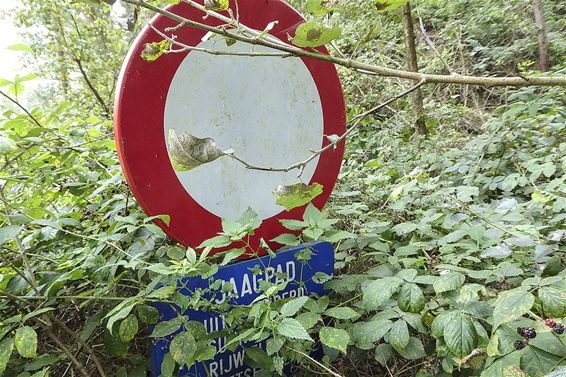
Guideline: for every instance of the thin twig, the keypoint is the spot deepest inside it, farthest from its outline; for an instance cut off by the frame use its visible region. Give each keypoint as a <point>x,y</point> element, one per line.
<point>431,44</point>
<point>15,102</point>
<point>314,361</point>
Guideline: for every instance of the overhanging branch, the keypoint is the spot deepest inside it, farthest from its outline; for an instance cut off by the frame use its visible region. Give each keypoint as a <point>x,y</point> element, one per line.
<point>267,41</point>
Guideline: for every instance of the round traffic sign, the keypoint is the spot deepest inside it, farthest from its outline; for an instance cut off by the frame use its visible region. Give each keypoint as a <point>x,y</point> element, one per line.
<point>269,111</point>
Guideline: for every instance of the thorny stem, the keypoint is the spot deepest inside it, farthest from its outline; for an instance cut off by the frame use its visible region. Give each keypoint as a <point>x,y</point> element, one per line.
<point>269,41</point>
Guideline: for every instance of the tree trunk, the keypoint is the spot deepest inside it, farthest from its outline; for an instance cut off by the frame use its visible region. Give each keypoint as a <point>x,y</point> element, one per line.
<point>413,66</point>
<point>542,45</point>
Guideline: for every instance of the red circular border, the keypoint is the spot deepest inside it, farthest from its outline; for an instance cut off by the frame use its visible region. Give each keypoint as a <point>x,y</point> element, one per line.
<point>139,132</point>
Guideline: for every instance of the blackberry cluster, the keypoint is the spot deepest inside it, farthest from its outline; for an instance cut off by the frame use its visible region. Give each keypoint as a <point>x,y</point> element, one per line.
<point>557,328</point>
<point>519,344</point>
<point>527,332</point>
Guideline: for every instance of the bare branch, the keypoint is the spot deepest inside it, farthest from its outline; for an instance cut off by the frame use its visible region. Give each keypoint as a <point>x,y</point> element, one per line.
<point>268,41</point>
<point>184,47</point>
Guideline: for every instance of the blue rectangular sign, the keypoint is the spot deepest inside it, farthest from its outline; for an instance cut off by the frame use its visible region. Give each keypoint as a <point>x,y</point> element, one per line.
<point>244,278</point>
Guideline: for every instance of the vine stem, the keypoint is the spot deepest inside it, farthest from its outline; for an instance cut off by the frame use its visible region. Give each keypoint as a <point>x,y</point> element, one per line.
<point>269,41</point>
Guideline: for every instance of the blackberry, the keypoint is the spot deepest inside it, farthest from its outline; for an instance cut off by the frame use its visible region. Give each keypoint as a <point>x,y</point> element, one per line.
<point>519,344</point>
<point>550,322</point>
<point>530,333</point>
<point>558,329</point>
<point>522,331</point>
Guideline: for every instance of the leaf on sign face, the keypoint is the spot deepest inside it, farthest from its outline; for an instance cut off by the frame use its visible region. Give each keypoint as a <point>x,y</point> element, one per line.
<point>216,4</point>
<point>318,8</point>
<point>152,51</point>
<point>297,195</point>
<point>335,338</point>
<point>311,34</point>
<point>387,5</point>
<point>187,151</point>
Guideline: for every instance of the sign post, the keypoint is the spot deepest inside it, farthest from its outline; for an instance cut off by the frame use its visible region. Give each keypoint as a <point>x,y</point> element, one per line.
<point>181,120</point>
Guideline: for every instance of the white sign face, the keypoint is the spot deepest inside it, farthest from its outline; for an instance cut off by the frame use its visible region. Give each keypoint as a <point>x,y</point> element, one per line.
<point>266,109</point>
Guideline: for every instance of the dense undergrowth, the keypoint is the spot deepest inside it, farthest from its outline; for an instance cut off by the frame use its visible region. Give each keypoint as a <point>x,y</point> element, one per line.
<point>446,244</point>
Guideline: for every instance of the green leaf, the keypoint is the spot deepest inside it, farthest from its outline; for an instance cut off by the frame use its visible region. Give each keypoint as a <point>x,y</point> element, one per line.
<point>25,341</point>
<point>6,347</point>
<point>383,353</point>
<point>318,8</point>
<point>511,305</point>
<point>183,347</point>
<point>448,282</point>
<point>167,366</point>
<point>258,358</point>
<point>411,298</point>
<point>128,328</point>
<point>553,301</point>
<point>7,145</point>
<point>148,314</point>
<point>163,292</point>
<point>460,335</point>
<point>414,350</point>
<point>166,327</point>
<point>297,195</point>
<point>335,338</point>
<point>287,239</point>
<point>312,34</point>
<point>379,291</point>
<point>113,343</point>
<point>538,362</point>
<point>365,334</point>
<point>309,319</point>
<point>290,308</point>
<point>540,197</point>
<point>342,313</point>
<point>9,233</point>
<point>232,254</point>
<point>152,51</point>
<point>217,5</point>
<point>19,47</point>
<point>273,345</point>
<point>399,335</point>
<point>388,5</point>
<point>291,328</point>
